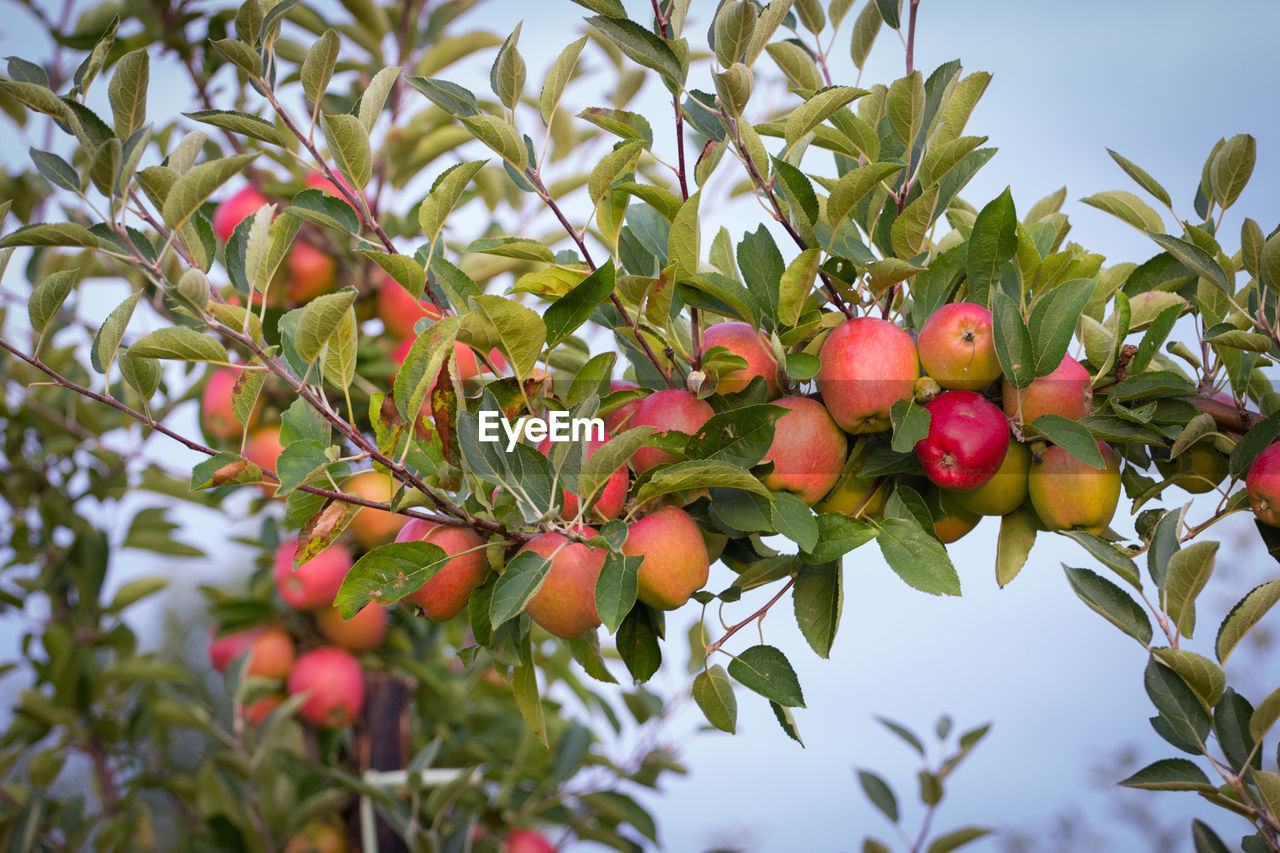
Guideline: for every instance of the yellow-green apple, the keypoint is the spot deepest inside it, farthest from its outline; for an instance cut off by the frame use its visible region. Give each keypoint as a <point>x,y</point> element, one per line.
<point>748,343</point>
<point>364,631</point>
<point>955,521</point>
<point>399,311</point>
<point>620,418</point>
<point>565,604</point>
<point>309,272</point>
<point>235,209</point>
<point>807,452</point>
<point>1263,485</point>
<point>217,413</point>
<point>315,583</point>
<point>449,589</point>
<point>257,711</point>
<point>868,364</point>
<point>1007,488</point>
<point>1202,465</point>
<point>373,527</point>
<point>610,499</point>
<point>526,841</point>
<point>318,838</point>
<point>967,440</point>
<point>957,348</point>
<point>1069,494</point>
<point>858,497</point>
<point>1067,391</point>
<point>263,448</point>
<point>665,411</point>
<point>334,683</point>
<point>674,564</point>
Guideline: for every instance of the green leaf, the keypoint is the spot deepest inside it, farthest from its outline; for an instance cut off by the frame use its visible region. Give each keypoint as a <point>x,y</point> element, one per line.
<point>501,137</point>
<point>320,318</point>
<point>794,519</point>
<point>297,463</point>
<point>684,241</point>
<point>127,92</point>
<point>450,97</point>
<point>520,331</point>
<point>616,589</point>
<point>1246,613</point>
<point>444,197</point>
<point>507,76</point>
<point>225,469</point>
<point>641,46</point>
<point>1111,603</point>
<point>1128,208</point>
<point>340,358</point>
<point>1189,571</point>
<point>889,11</point>
<point>1177,703</point>
<point>198,185</point>
<point>818,597</point>
<point>56,170</point>
<point>47,297</point>
<point>179,343</point>
<point>1201,674</point>
<point>734,25</point>
<point>905,106</point>
<point>1053,321</point>
<point>108,337</point>
<point>1073,437</point>
<point>405,270</point>
<point>349,146</point>
<point>1269,263</point>
<point>50,234</point>
<point>853,186</point>
<point>910,422</point>
<point>865,29</point>
<point>1169,774</point>
<point>422,364</point>
<point>1013,545</point>
<point>518,583</point>
<point>375,95</point>
<point>241,55</point>
<point>558,77</point>
<point>317,68</point>
<point>1232,167</point>
<point>1195,259</point>
<point>619,162</point>
<point>566,314</point>
<point>994,240</point>
<point>1265,715</point>
<point>1012,338</point>
<point>520,248</point>
<point>320,208</point>
<point>838,535</point>
<point>818,109</point>
<point>767,24</point>
<point>713,692</point>
<point>879,793</point>
<point>917,557</point>
<point>767,671</point>
<point>611,456</point>
<point>698,474</point>
<point>1143,179</point>
<point>637,643</point>
<point>388,573</point>
<point>796,63</point>
<point>242,123</point>
<point>796,285</point>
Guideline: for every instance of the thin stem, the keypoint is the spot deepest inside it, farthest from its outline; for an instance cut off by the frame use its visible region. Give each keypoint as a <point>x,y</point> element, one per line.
<point>758,615</point>
<point>911,35</point>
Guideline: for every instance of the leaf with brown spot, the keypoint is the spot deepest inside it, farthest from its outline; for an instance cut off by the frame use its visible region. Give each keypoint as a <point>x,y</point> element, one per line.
<point>444,408</point>
<point>236,472</point>
<point>323,529</point>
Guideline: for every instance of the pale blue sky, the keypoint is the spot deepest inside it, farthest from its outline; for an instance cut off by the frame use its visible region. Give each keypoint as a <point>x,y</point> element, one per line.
<point>1157,81</point>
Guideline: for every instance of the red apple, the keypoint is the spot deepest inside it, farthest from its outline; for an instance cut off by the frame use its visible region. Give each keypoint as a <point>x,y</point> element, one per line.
<point>399,311</point>
<point>315,583</point>
<point>745,341</point>
<point>467,366</point>
<point>867,365</point>
<point>257,711</point>
<point>373,527</point>
<point>224,650</point>
<point>217,412</point>
<point>807,452</point>
<point>1067,391</point>
<point>957,348</point>
<point>565,605</point>
<point>449,589</point>
<point>310,272</point>
<point>334,682</point>
<point>263,448</point>
<point>967,440</point>
<point>271,653</point>
<point>1068,494</point>
<point>619,420</point>
<point>364,631</point>
<point>526,841</point>
<point>1263,484</point>
<point>666,411</point>
<point>609,501</point>
<point>317,181</point>
<point>235,210</point>
<point>675,564</point>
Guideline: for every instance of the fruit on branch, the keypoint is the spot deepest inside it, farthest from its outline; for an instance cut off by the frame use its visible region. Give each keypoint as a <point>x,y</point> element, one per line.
<point>236,209</point>
<point>619,419</point>
<point>257,711</point>
<point>858,497</point>
<point>1069,494</point>
<point>1202,466</point>
<point>967,440</point>
<point>318,838</point>
<point>224,650</point>
<point>315,583</point>
<point>746,342</point>
<point>263,448</point>
<point>526,841</point>
<point>1007,488</point>
<point>1067,391</point>
<point>217,413</point>
<point>955,521</point>
<point>309,272</point>
<point>317,181</point>
<point>609,500</point>
<point>449,589</point>
<point>665,411</point>
<point>715,542</point>
<point>334,682</point>
<point>868,364</point>
<point>466,365</point>
<point>957,347</point>
<point>270,651</point>
<point>565,605</point>
<point>373,527</point>
<point>399,311</point>
<point>675,563</point>
<point>807,452</point>
<point>364,631</point>
<point>1263,484</point>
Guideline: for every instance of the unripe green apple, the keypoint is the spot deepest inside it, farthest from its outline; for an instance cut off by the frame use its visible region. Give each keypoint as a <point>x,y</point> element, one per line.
<point>675,563</point>
<point>315,583</point>
<point>1263,485</point>
<point>364,631</point>
<point>968,438</point>
<point>956,522</point>
<point>1069,494</point>
<point>1205,465</point>
<point>665,411</point>
<point>565,605</point>
<point>1007,488</point>
<point>957,347</point>
<point>449,589</point>
<point>1067,391</point>
<point>858,497</point>
<point>868,364</point>
<point>236,209</point>
<point>748,343</point>
<point>334,682</point>
<point>373,527</point>
<point>807,452</point>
